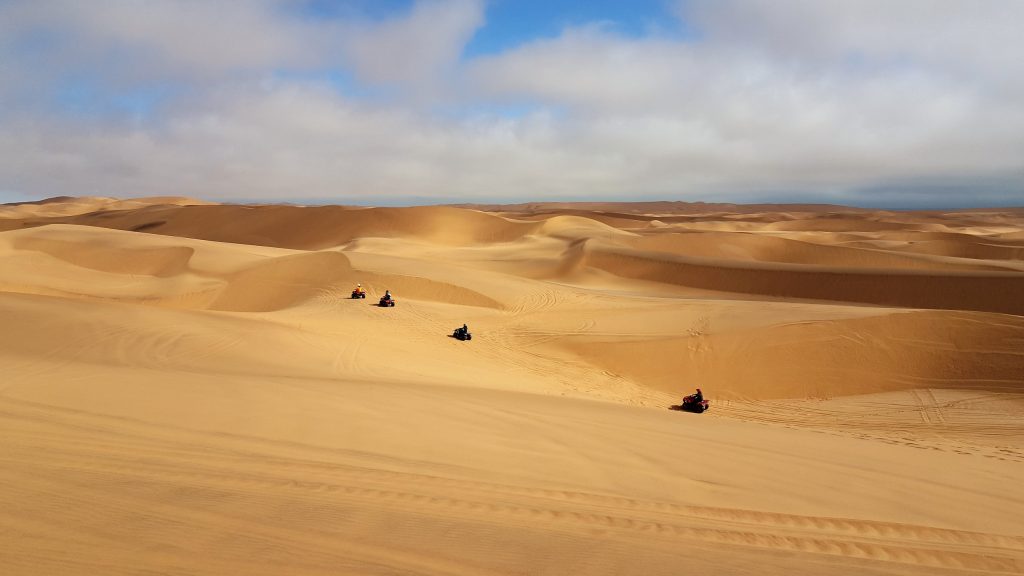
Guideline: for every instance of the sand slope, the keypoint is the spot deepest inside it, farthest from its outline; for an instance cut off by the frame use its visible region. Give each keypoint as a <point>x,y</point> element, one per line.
<point>188,389</point>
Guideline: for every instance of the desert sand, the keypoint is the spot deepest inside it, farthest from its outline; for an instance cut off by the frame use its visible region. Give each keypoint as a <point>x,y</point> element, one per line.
<point>187,388</point>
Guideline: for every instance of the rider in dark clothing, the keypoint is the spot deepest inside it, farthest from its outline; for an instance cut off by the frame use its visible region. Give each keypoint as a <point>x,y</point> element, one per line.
<point>699,396</point>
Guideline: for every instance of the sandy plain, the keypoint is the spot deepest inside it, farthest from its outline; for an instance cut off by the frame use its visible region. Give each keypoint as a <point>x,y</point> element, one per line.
<point>187,388</point>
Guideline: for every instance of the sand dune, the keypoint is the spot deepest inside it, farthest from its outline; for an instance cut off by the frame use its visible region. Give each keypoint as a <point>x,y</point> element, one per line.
<point>303,228</point>
<point>830,358</point>
<point>986,249</point>
<point>987,291</point>
<point>660,207</point>
<point>188,389</point>
<point>69,206</point>
<point>182,273</point>
<point>765,248</point>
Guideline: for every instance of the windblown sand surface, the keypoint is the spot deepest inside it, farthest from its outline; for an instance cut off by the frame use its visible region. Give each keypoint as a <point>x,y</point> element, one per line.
<point>187,389</point>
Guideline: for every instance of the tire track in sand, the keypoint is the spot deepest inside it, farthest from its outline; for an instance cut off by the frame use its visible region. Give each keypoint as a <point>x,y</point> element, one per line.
<point>130,458</point>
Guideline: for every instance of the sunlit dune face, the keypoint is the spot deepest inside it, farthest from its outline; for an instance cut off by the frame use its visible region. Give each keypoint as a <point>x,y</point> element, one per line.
<point>183,376</point>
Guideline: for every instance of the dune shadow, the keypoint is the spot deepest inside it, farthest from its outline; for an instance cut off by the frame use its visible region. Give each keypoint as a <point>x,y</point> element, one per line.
<point>148,226</point>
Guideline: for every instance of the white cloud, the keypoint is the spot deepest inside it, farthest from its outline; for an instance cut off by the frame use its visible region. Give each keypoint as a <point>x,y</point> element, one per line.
<point>981,37</point>
<point>788,95</point>
<point>418,52</point>
<point>772,97</point>
<point>165,39</point>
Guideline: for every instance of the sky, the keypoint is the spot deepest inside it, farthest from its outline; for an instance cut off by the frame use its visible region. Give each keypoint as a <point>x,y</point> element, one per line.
<point>900,104</point>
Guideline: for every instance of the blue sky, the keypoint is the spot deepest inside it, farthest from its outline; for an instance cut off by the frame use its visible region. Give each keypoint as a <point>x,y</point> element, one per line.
<point>510,23</point>
<point>863,102</point>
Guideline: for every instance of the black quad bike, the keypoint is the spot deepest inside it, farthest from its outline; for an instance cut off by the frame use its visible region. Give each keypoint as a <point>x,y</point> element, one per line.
<point>462,334</point>
<point>386,301</point>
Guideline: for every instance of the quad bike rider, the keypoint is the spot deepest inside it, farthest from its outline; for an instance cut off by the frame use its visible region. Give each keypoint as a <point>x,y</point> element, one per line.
<point>359,292</point>
<point>694,403</point>
<point>462,333</point>
<point>386,300</point>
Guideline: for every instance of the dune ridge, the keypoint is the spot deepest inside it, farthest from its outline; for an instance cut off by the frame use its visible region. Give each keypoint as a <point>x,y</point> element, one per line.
<point>993,291</point>
<point>170,274</point>
<point>307,228</point>
<point>830,358</point>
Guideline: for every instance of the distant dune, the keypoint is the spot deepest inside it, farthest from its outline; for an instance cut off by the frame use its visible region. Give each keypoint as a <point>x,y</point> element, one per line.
<point>659,207</point>
<point>188,388</point>
<point>69,206</point>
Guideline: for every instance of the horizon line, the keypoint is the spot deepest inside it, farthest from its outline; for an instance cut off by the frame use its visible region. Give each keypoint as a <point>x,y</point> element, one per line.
<point>419,201</point>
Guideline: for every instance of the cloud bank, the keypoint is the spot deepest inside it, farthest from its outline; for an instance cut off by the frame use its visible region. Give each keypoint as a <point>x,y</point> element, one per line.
<point>864,102</point>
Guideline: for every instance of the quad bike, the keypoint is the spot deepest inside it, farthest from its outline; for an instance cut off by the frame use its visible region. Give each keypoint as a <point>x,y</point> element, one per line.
<point>385,302</point>
<point>462,334</point>
<point>357,293</point>
<point>691,404</point>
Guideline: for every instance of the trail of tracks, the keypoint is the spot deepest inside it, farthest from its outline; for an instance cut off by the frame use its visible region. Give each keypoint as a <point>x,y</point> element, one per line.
<point>233,484</point>
<point>964,422</point>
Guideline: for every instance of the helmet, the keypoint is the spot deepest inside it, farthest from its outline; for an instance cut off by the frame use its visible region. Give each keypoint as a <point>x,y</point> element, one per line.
<point>357,284</point>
